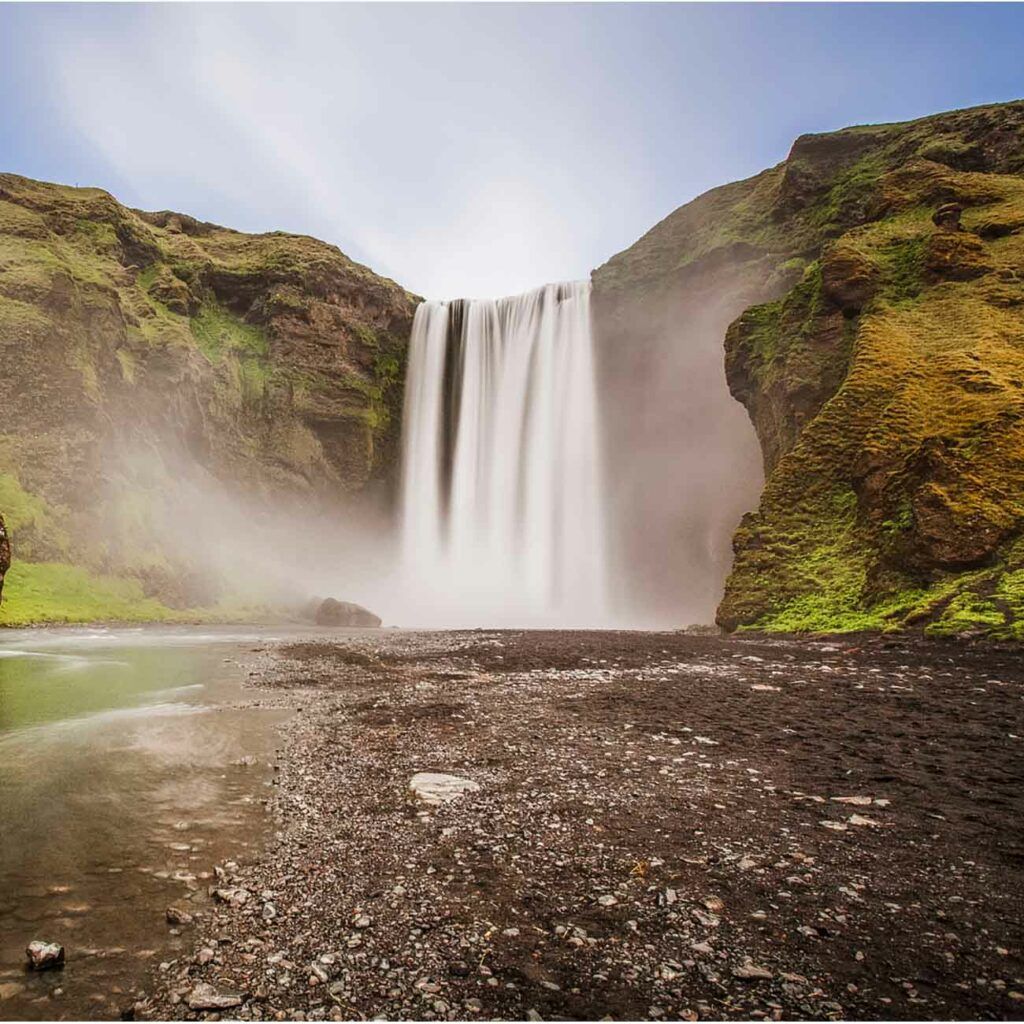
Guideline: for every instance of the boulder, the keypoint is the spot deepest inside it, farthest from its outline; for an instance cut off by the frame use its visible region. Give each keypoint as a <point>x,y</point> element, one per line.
<point>178,916</point>
<point>44,956</point>
<point>344,613</point>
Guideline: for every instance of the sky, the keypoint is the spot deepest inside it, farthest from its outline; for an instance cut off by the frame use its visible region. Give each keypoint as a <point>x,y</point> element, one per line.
<point>467,150</point>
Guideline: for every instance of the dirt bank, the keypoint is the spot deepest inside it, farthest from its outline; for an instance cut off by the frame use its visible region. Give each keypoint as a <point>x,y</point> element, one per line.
<point>666,826</point>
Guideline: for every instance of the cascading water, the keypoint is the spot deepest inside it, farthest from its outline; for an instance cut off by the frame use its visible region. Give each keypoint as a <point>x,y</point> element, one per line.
<point>502,510</point>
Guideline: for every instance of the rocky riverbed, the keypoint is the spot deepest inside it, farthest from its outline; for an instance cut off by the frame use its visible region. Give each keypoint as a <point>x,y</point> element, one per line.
<point>665,826</point>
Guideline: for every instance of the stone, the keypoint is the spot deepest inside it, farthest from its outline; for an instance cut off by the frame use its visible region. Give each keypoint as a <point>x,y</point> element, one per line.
<point>44,956</point>
<point>947,216</point>
<point>752,972</point>
<point>434,788</point>
<point>205,997</point>
<point>863,820</point>
<point>178,916</point>
<point>234,897</point>
<point>344,613</point>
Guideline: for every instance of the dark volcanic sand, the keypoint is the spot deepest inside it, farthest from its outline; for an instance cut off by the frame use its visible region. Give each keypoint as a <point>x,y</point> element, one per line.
<point>649,836</point>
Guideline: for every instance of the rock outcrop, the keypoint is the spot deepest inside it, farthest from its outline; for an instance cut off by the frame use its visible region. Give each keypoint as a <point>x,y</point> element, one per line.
<point>882,367</point>
<point>5,554</point>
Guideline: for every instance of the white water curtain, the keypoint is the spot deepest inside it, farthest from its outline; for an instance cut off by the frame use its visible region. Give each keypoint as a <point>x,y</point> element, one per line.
<point>502,505</point>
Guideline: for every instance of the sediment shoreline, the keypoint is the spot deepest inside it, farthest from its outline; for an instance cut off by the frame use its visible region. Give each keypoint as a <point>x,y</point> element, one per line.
<point>666,826</point>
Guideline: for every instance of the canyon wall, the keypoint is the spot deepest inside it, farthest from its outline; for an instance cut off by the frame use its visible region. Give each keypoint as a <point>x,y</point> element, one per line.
<point>145,354</point>
<point>880,359</point>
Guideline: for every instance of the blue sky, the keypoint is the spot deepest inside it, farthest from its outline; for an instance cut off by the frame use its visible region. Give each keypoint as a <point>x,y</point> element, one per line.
<point>467,150</point>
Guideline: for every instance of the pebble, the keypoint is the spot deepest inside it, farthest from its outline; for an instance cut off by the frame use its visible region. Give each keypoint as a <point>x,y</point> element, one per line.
<point>178,916</point>
<point>205,997</point>
<point>752,972</point>
<point>435,788</point>
<point>44,956</point>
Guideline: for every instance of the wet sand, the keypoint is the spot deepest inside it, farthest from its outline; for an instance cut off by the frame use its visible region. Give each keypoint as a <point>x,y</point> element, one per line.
<point>667,826</point>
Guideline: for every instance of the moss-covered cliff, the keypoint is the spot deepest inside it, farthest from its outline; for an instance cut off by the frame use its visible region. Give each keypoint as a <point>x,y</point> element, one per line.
<point>883,371</point>
<point>135,343</point>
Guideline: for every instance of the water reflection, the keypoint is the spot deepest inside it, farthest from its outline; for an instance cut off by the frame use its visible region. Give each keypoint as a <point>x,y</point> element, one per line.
<point>125,775</point>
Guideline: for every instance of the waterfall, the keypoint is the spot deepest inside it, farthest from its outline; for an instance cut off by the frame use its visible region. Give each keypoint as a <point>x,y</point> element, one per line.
<point>502,506</point>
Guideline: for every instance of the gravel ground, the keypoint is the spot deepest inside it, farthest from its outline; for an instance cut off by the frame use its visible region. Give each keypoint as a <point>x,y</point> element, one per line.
<point>666,826</point>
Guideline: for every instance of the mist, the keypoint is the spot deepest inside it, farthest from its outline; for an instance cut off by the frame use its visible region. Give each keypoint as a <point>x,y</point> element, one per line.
<point>641,540</point>
<point>203,541</point>
<point>682,460</point>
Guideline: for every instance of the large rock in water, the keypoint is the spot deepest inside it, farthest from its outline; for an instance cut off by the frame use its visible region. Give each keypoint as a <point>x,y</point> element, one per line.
<point>5,554</point>
<point>344,613</point>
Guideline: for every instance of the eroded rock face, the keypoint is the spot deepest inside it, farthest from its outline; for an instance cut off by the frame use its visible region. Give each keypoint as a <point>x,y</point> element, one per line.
<point>138,344</point>
<point>847,327</point>
<point>895,445</point>
<point>877,354</point>
<point>344,613</point>
<point>848,277</point>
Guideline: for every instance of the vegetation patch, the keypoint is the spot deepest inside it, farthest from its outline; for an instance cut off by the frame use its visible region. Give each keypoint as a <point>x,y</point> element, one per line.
<point>56,592</point>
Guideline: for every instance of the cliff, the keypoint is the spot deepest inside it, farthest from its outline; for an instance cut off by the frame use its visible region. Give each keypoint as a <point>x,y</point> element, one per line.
<point>881,364</point>
<point>138,348</point>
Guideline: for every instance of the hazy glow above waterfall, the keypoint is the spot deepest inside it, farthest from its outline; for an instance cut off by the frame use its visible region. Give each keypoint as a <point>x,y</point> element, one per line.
<point>502,504</point>
<point>467,150</point>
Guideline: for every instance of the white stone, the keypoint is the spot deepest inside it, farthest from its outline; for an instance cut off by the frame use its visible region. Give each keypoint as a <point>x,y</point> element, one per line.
<point>433,788</point>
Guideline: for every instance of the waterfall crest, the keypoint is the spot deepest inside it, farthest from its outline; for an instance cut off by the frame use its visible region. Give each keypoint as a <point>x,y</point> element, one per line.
<point>502,505</point>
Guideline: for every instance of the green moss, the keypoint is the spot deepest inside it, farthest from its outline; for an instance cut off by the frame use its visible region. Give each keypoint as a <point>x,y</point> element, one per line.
<point>949,149</point>
<point>904,269</point>
<point>54,592</point>
<point>37,528</point>
<point>367,335</point>
<point>966,612</point>
<point>218,332</point>
<point>850,195</point>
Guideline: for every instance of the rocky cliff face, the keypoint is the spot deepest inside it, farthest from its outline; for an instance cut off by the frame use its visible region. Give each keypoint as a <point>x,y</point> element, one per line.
<point>882,368</point>
<point>134,344</point>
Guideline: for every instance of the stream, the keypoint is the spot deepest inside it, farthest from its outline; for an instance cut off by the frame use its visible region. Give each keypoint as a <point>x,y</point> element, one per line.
<point>131,762</point>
